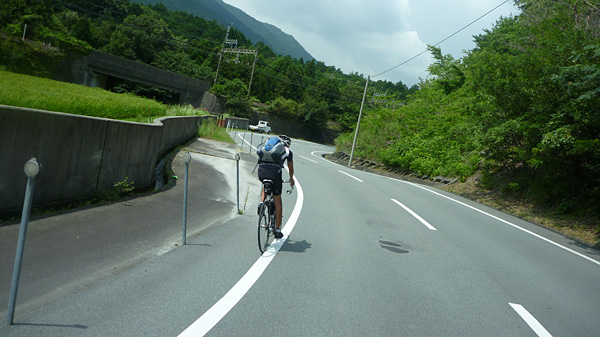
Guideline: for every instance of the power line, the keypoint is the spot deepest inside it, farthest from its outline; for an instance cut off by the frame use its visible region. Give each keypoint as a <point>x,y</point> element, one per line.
<point>458,31</point>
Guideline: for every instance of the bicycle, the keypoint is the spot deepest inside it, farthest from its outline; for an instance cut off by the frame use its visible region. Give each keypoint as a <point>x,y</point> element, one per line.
<point>266,217</point>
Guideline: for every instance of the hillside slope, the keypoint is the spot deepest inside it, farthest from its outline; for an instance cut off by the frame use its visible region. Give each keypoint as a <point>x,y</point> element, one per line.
<point>280,42</point>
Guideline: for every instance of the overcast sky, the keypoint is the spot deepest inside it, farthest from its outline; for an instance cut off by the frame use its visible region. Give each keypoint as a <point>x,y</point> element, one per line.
<point>372,36</point>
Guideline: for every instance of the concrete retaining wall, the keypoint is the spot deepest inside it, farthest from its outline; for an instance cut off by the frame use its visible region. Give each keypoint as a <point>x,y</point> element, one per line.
<point>80,155</point>
<point>212,103</point>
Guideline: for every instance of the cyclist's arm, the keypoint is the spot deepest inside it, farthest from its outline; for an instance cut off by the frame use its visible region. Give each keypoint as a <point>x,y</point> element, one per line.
<point>291,169</point>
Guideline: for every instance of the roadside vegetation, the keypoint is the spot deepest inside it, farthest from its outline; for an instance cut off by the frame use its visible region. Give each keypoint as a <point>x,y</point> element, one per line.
<point>209,129</point>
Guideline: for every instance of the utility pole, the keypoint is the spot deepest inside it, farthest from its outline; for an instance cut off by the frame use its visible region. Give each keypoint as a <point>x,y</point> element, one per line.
<point>252,74</point>
<point>358,123</point>
<point>233,49</point>
<point>230,43</point>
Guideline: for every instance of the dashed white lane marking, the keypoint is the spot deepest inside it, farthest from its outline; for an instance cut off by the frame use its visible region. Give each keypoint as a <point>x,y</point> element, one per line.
<point>211,317</point>
<point>415,215</point>
<point>351,176</point>
<point>309,159</point>
<point>530,320</point>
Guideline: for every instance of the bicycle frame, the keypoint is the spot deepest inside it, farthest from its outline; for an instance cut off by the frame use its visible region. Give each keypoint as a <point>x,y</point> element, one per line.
<point>266,217</point>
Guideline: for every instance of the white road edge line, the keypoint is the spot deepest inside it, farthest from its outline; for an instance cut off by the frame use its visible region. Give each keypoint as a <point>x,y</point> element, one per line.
<point>245,141</point>
<point>211,317</point>
<point>321,157</point>
<point>530,320</point>
<point>313,153</point>
<point>309,159</point>
<point>351,176</point>
<point>509,223</point>
<point>415,215</point>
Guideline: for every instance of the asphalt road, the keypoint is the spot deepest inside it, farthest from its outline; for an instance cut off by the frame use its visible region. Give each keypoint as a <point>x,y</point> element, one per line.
<point>363,255</point>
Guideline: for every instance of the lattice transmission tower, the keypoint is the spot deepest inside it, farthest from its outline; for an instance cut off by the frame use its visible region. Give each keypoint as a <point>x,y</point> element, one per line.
<point>230,47</point>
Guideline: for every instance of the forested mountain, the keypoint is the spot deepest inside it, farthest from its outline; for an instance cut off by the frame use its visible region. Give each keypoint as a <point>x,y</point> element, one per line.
<point>280,42</point>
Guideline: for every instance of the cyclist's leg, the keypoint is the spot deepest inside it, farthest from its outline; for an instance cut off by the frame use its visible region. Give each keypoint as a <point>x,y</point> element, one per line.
<point>277,188</point>
<point>263,195</point>
<point>278,210</point>
<point>262,175</point>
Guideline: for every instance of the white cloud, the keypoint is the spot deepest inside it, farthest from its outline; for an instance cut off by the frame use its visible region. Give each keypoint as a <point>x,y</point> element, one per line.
<point>369,37</point>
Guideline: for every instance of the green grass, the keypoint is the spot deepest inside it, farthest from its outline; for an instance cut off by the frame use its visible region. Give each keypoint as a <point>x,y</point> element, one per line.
<point>209,129</point>
<point>41,93</point>
<point>45,94</point>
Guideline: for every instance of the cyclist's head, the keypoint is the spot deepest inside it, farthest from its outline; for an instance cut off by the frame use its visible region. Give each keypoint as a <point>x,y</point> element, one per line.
<point>286,140</point>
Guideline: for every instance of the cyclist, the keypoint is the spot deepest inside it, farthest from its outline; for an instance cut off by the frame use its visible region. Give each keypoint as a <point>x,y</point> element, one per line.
<point>271,169</point>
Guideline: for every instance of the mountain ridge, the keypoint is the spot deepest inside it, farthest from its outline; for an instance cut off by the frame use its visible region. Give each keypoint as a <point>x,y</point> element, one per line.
<point>280,42</point>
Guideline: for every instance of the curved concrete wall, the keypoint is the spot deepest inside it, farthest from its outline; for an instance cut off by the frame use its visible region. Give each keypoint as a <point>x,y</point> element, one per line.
<point>80,155</point>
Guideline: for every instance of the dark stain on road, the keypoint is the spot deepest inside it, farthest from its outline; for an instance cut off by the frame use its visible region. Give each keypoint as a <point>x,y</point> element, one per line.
<point>392,247</point>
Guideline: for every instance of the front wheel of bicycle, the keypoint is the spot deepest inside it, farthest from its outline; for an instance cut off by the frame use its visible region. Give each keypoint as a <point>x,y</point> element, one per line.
<point>265,236</point>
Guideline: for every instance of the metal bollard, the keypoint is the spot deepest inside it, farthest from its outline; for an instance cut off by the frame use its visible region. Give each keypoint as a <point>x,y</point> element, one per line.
<point>185,198</point>
<point>32,169</point>
<point>237,162</point>
<point>250,145</point>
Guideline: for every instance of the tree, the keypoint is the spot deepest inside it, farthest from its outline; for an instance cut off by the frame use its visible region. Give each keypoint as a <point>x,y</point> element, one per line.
<point>446,70</point>
<point>141,37</point>
<point>282,107</point>
<point>315,112</point>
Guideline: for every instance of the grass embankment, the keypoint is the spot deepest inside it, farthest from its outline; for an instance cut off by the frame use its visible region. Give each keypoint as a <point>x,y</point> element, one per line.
<point>45,94</point>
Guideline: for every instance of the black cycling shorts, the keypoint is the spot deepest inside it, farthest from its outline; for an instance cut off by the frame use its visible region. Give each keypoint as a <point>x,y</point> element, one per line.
<point>271,172</point>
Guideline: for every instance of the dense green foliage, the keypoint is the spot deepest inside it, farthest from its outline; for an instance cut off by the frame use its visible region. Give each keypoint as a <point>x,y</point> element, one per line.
<point>523,108</point>
<point>186,44</point>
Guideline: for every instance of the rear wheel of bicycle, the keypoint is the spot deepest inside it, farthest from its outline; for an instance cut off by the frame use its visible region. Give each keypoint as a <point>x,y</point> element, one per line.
<point>264,234</point>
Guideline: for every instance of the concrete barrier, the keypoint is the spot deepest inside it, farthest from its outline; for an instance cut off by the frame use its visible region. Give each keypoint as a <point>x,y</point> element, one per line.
<point>81,155</point>
<point>237,123</point>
